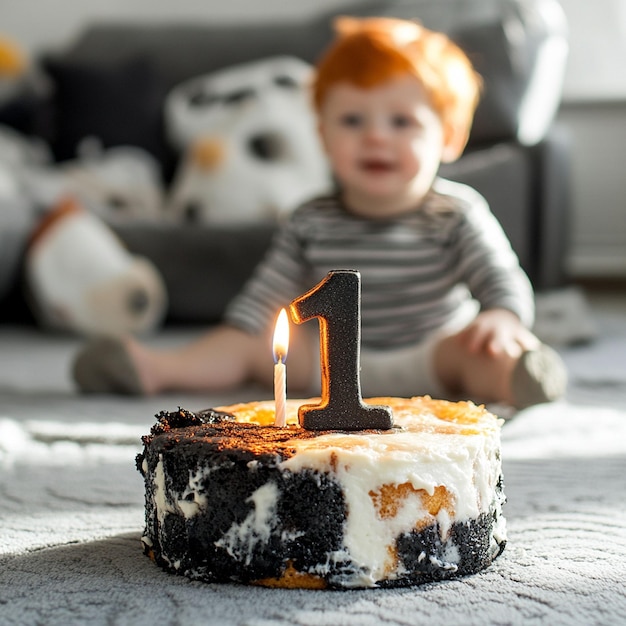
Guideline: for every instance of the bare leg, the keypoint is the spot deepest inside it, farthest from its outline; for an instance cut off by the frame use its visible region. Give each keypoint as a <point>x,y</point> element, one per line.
<point>519,376</point>
<point>223,358</point>
<point>477,375</point>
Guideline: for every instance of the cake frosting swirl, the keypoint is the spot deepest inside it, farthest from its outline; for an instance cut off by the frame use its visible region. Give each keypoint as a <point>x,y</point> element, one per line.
<point>230,497</point>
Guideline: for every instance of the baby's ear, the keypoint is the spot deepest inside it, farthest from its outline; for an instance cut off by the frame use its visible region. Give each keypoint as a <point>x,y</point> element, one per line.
<point>455,139</point>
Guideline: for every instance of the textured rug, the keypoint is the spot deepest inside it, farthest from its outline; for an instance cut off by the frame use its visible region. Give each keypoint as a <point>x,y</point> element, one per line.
<point>72,516</point>
<point>71,511</point>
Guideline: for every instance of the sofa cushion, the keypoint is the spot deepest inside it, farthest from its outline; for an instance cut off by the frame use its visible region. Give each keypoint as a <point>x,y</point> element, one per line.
<point>117,102</point>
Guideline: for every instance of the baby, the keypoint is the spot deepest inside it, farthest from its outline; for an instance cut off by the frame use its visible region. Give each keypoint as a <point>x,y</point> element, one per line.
<point>446,308</point>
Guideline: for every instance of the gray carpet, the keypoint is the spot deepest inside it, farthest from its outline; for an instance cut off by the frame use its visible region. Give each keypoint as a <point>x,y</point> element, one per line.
<point>71,510</point>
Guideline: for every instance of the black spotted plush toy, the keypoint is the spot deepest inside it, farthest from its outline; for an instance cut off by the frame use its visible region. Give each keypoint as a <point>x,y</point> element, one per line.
<point>248,143</point>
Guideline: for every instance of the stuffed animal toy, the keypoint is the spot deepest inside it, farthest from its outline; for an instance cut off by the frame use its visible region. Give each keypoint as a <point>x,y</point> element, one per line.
<point>248,142</point>
<point>119,184</point>
<point>78,275</point>
<point>81,279</point>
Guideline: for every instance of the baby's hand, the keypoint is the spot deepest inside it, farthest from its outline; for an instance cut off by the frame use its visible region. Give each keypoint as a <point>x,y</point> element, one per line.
<point>497,331</point>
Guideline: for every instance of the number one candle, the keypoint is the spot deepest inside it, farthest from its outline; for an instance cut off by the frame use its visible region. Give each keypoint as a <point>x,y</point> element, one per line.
<point>336,302</point>
<point>280,346</point>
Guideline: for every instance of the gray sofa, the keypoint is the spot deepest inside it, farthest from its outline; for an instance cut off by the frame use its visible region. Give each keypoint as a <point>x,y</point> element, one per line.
<point>111,83</point>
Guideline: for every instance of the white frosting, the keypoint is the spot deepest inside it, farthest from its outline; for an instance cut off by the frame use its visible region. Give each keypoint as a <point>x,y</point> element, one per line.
<point>241,539</point>
<point>161,501</point>
<point>160,498</point>
<point>193,498</point>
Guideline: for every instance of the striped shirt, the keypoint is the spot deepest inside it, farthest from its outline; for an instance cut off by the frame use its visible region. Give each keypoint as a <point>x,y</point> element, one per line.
<point>416,269</point>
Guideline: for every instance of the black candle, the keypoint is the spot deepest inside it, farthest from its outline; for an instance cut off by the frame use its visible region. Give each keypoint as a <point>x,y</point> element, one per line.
<point>336,302</point>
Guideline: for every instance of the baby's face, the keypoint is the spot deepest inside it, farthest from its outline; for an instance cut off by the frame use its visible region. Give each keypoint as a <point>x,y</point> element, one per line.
<point>385,145</point>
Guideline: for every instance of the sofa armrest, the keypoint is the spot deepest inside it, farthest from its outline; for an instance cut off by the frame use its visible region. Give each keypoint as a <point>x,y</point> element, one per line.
<point>551,161</point>
<point>527,188</point>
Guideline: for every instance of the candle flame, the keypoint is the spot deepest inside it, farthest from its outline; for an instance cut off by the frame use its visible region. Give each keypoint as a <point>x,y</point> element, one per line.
<point>280,344</point>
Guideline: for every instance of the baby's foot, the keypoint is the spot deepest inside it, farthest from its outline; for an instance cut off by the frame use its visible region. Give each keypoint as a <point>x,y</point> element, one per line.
<point>112,365</point>
<point>538,376</point>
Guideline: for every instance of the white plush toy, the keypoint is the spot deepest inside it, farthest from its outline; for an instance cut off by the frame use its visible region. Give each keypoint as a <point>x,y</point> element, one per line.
<point>118,184</point>
<point>79,275</point>
<point>249,144</point>
<point>81,278</point>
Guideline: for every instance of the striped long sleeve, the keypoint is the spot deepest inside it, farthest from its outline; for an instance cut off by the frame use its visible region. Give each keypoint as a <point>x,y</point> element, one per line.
<point>416,269</point>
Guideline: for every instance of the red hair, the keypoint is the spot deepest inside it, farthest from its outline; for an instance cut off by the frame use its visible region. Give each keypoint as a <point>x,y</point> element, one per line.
<point>370,51</point>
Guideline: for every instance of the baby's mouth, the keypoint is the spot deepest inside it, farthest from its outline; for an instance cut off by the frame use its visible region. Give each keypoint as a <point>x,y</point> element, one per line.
<point>376,165</point>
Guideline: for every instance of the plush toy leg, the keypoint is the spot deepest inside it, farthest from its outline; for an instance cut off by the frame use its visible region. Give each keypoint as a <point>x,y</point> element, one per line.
<point>83,280</point>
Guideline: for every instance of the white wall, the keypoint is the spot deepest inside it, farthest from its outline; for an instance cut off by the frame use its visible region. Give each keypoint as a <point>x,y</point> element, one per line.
<point>596,68</point>
<point>596,72</point>
<point>598,220</point>
<point>595,112</point>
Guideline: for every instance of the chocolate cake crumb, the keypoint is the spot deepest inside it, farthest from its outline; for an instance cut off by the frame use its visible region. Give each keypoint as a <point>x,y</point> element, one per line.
<point>168,420</point>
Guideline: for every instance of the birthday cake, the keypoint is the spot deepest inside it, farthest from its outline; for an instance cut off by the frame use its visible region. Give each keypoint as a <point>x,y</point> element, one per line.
<point>232,498</point>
